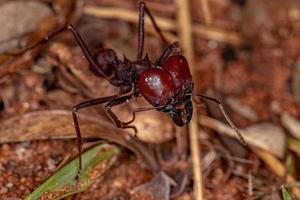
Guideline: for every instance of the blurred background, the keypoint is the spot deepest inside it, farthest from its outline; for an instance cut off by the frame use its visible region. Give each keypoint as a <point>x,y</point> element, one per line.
<point>243,52</point>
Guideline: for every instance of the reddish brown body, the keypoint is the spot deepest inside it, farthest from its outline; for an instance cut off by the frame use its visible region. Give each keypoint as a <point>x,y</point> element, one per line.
<point>169,88</point>
<point>165,83</point>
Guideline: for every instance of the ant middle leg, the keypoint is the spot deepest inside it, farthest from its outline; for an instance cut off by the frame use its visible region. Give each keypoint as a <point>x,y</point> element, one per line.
<point>141,32</point>
<point>78,107</point>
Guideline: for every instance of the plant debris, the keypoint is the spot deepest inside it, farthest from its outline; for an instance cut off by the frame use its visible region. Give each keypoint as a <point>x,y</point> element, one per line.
<point>245,53</point>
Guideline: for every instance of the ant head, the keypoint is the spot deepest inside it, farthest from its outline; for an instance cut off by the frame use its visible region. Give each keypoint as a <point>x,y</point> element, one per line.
<point>182,113</point>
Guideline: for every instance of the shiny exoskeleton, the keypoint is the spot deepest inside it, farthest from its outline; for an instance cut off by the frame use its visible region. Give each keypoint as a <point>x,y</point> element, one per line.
<point>169,88</point>
<point>165,83</point>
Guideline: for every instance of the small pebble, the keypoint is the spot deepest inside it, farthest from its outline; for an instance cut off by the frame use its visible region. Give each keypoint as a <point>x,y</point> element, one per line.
<point>9,185</point>
<point>51,164</point>
<point>20,152</point>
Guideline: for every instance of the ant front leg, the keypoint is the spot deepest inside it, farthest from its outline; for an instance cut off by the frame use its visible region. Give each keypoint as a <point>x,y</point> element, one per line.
<point>136,111</point>
<point>113,116</point>
<point>76,108</point>
<point>118,123</point>
<point>241,138</point>
<point>141,32</point>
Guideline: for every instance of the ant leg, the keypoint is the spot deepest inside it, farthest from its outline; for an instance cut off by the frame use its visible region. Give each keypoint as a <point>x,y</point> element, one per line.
<point>76,108</point>
<point>113,116</point>
<point>224,114</point>
<point>125,124</point>
<point>86,52</point>
<point>141,33</point>
<point>136,111</point>
<point>171,49</point>
<point>42,41</point>
<point>80,42</point>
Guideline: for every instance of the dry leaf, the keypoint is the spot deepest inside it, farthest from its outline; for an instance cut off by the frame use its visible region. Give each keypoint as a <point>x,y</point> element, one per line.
<point>291,124</point>
<point>58,124</point>
<point>158,188</point>
<point>19,18</point>
<point>153,126</point>
<point>265,136</point>
<point>269,137</point>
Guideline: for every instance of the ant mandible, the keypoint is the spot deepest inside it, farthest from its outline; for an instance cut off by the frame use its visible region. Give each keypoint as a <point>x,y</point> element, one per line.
<point>166,83</point>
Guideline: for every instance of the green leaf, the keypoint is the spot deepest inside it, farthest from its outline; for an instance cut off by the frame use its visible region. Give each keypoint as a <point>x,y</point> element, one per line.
<point>285,194</point>
<point>64,182</point>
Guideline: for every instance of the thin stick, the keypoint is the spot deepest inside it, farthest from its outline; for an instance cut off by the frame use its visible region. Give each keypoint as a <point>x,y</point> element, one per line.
<point>186,41</point>
<point>250,184</point>
<point>17,64</point>
<point>208,32</point>
<point>206,12</point>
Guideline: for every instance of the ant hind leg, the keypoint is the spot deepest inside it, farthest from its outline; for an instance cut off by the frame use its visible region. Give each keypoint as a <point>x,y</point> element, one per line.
<point>93,64</point>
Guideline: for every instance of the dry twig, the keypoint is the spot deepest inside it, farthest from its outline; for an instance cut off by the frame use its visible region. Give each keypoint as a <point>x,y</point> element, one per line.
<point>131,16</point>
<point>206,11</point>
<point>185,38</point>
<point>208,32</point>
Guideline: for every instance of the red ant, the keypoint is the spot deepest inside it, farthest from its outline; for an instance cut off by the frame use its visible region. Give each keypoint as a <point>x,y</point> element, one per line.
<point>166,83</point>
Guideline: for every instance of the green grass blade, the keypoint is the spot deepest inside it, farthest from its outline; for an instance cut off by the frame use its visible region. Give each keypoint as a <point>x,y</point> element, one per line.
<point>64,183</point>
<point>285,194</point>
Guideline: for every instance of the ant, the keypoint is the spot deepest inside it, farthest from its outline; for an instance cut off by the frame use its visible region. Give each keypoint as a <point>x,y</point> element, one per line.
<point>166,84</point>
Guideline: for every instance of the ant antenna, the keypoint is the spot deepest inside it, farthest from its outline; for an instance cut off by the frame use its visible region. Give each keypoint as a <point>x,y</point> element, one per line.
<point>238,133</point>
